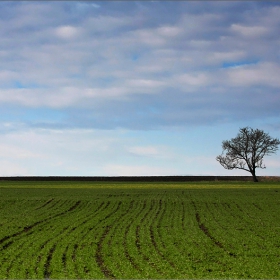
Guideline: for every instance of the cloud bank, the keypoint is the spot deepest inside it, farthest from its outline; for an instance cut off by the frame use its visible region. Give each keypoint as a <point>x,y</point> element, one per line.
<point>138,66</point>
<point>123,67</point>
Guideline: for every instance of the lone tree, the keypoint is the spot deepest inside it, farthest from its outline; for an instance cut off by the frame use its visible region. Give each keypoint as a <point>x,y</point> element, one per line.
<point>247,149</point>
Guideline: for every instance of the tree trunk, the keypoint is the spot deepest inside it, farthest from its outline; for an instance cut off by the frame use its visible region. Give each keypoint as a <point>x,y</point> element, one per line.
<point>254,176</point>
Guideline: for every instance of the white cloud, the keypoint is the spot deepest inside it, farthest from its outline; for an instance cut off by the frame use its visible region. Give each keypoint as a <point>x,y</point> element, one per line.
<point>7,76</point>
<point>264,73</point>
<point>66,31</point>
<point>53,98</point>
<point>198,79</point>
<point>249,31</point>
<point>154,37</point>
<point>218,57</point>
<point>149,37</point>
<point>144,83</point>
<point>54,152</point>
<point>169,31</point>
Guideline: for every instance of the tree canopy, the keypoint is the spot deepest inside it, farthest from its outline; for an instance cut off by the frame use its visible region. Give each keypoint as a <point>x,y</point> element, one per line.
<point>247,149</point>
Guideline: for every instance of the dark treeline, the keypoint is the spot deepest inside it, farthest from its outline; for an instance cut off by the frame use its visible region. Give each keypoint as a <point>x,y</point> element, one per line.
<point>135,178</point>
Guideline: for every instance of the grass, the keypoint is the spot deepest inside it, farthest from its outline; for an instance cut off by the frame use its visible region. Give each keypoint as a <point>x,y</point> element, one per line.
<point>136,230</point>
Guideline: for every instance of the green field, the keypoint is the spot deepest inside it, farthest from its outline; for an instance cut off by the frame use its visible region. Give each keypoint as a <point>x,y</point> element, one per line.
<point>70,230</point>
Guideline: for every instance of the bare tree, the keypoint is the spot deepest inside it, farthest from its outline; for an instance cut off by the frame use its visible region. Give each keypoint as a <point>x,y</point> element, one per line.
<point>247,149</point>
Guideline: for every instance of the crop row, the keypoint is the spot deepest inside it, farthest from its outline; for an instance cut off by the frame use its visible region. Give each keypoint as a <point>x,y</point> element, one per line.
<point>143,234</point>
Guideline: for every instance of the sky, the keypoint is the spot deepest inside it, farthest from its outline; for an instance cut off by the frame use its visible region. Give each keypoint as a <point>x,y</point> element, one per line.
<point>135,88</point>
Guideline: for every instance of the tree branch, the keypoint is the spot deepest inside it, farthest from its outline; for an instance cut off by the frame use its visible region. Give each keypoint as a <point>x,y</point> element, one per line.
<point>248,148</point>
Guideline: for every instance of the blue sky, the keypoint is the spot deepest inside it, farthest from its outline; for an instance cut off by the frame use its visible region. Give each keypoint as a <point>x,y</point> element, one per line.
<point>108,88</point>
